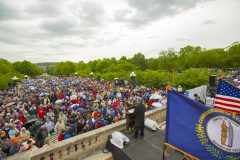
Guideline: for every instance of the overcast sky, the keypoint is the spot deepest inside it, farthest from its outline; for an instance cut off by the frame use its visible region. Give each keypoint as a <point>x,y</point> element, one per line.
<point>75,30</point>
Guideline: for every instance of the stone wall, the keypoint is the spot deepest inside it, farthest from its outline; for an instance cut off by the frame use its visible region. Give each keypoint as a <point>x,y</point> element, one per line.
<point>83,145</point>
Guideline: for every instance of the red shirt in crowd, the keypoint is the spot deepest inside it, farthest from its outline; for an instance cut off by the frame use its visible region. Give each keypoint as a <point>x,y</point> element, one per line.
<point>94,92</point>
<point>48,108</point>
<point>99,124</point>
<point>60,96</point>
<point>22,118</point>
<point>41,112</point>
<point>60,137</point>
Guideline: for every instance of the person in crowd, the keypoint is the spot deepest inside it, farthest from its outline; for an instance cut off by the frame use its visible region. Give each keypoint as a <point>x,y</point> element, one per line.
<point>18,124</point>
<point>2,154</point>
<point>80,126</point>
<point>60,125</point>
<point>41,112</point>
<point>61,135</point>
<point>45,132</point>
<point>6,129</point>
<point>12,130</point>
<point>40,138</point>
<point>49,126</point>
<point>197,98</point>
<point>25,134</point>
<point>5,144</point>
<point>46,142</point>
<point>15,148</point>
<point>50,113</point>
<point>16,138</point>
<point>66,135</point>
<point>33,112</point>
<point>2,120</point>
<point>28,147</point>
<point>62,117</point>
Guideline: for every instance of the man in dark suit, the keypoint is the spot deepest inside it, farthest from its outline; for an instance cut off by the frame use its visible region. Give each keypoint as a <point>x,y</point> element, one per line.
<point>139,114</point>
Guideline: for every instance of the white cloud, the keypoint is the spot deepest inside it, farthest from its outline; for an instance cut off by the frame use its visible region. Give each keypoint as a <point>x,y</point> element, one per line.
<point>56,30</point>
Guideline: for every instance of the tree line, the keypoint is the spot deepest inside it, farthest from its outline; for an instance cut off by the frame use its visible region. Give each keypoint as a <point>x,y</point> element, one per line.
<point>194,61</point>
<point>19,69</point>
<point>161,70</point>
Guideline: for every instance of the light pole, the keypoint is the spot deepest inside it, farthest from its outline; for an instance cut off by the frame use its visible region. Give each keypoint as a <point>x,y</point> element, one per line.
<point>76,74</point>
<point>91,75</point>
<point>133,75</point>
<point>14,80</point>
<point>180,89</point>
<point>26,77</point>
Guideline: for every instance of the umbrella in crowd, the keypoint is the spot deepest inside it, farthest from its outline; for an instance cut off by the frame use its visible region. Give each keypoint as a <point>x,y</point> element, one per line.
<point>4,92</point>
<point>73,97</point>
<point>59,101</point>
<point>10,104</point>
<point>156,96</point>
<point>71,107</point>
<point>157,104</point>
<point>43,94</point>
<point>82,110</point>
<point>31,122</point>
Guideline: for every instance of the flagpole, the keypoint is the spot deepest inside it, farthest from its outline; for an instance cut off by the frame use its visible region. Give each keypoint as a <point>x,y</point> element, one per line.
<point>178,150</point>
<point>164,151</point>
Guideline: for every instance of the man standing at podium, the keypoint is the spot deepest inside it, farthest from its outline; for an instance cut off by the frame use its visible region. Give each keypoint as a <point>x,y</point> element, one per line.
<point>139,115</point>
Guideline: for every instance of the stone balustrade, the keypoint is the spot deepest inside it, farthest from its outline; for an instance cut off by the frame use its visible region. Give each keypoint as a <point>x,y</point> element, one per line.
<point>83,145</point>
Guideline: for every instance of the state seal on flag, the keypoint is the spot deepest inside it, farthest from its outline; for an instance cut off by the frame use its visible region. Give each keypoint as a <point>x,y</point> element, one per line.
<point>218,132</point>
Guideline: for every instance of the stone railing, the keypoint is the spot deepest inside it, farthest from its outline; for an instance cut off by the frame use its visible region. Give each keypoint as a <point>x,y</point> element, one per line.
<point>83,145</point>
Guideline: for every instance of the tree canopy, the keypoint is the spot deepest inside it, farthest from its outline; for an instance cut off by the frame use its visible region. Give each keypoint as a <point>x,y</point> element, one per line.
<point>27,68</point>
<point>19,69</point>
<point>150,71</point>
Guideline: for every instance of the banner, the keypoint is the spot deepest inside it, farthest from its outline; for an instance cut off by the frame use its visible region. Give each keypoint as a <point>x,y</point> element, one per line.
<point>203,132</point>
<point>200,91</point>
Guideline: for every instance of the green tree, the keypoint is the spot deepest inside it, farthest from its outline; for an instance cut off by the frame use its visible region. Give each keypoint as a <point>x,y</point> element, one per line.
<point>27,68</point>
<point>64,68</point>
<point>140,61</point>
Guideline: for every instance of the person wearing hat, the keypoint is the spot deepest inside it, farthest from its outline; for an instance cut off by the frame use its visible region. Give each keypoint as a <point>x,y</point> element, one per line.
<point>25,134</point>
<point>12,130</point>
<point>6,129</point>
<point>15,148</point>
<point>16,138</point>
<point>59,126</point>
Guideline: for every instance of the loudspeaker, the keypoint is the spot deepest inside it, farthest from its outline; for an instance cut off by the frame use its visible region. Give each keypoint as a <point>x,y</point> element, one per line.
<point>119,140</point>
<point>213,80</point>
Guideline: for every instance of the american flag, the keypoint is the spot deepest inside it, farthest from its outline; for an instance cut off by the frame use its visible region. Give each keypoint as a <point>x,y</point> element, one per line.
<point>227,97</point>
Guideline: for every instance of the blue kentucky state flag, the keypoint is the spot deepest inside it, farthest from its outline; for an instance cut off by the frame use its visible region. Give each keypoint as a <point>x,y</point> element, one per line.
<point>203,132</point>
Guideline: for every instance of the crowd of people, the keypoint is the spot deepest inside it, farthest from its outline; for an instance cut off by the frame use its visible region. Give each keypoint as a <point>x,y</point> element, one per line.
<point>32,110</point>
<point>233,78</point>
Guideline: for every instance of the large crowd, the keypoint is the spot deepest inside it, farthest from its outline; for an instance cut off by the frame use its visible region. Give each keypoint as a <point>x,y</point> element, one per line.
<point>32,110</point>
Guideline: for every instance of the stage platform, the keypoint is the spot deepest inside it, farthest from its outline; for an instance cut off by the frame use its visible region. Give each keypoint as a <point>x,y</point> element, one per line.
<point>149,147</point>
